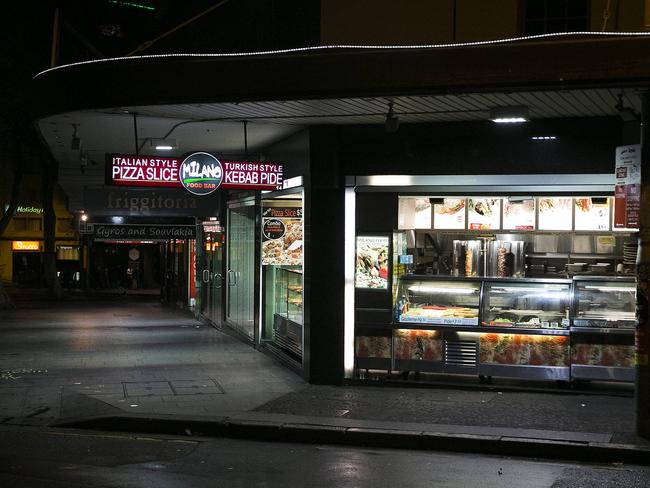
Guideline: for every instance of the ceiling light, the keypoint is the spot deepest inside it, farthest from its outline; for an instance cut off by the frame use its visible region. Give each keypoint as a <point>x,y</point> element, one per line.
<point>544,138</point>
<point>392,121</point>
<point>163,144</point>
<point>509,115</point>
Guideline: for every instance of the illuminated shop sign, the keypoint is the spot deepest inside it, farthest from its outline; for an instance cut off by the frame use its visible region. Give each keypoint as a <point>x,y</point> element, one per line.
<point>200,173</point>
<point>25,246</point>
<point>29,210</point>
<point>129,170</point>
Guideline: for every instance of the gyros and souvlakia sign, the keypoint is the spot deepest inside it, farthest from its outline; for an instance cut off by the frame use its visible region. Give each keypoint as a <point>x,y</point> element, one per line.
<point>200,173</point>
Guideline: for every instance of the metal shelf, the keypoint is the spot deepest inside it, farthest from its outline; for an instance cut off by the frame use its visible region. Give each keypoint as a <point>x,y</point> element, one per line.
<point>602,330</point>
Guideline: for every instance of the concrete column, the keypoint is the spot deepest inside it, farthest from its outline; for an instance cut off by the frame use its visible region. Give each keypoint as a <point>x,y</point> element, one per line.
<point>642,337</point>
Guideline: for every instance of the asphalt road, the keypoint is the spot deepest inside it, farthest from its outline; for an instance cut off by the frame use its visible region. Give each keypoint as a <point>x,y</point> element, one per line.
<point>31,457</point>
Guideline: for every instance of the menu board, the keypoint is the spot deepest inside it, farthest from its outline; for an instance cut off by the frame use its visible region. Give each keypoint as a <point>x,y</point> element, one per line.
<point>591,213</point>
<point>372,262</point>
<point>282,236</point>
<point>450,214</point>
<point>484,213</point>
<point>414,213</point>
<point>555,213</point>
<point>519,215</point>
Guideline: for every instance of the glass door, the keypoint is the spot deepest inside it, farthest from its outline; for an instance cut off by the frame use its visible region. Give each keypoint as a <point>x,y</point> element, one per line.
<point>240,275</point>
<point>213,276</point>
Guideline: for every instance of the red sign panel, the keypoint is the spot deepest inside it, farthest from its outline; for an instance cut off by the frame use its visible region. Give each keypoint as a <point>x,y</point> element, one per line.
<point>130,170</point>
<point>627,192</point>
<point>155,171</point>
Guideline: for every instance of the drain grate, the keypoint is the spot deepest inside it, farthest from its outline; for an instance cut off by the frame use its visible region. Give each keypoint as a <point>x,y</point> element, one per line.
<point>203,386</point>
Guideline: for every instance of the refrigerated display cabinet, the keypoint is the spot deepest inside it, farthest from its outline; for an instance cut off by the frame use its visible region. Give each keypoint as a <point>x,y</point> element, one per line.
<point>429,301</point>
<point>602,331</point>
<point>288,315</point>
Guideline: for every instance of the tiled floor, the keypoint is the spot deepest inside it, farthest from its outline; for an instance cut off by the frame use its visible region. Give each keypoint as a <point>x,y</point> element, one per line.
<point>93,358</point>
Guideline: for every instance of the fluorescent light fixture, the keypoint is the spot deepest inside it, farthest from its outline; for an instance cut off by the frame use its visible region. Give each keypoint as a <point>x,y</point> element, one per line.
<point>544,138</point>
<point>631,289</point>
<point>163,144</point>
<point>509,115</point>
<point>431,289</point>
<point>348,303</point>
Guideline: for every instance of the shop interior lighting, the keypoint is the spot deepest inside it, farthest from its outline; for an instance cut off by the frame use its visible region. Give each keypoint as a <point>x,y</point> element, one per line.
<point>544,138</point>
<point>163,144</point>
<point>610,288</point>
<point>431,289</point>
<point>84,217</point>
<point>118,219</point>
<point>509,115</point>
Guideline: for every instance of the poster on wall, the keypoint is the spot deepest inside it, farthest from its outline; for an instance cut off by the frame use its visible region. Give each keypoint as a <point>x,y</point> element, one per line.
<point>555,213</point>
<point>591,213</point>
<point>484,213</point>
<point>414,213</point>
<point>519,215</point>
<point>627,191</point>
<point>372,262</point>
<point>450,214</point>
<point>282,236</point>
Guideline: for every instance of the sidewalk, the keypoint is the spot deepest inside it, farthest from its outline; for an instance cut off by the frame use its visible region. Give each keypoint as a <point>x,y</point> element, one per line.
<point>140,367</point>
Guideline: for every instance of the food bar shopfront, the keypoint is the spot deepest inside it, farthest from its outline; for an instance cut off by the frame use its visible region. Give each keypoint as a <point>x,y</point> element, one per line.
<point>523,276</point>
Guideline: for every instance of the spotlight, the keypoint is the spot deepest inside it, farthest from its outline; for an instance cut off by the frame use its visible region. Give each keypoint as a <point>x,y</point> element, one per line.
<point>392,121</point>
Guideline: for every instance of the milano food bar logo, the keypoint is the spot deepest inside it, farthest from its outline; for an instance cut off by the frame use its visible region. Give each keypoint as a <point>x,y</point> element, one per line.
<point>201,173</point>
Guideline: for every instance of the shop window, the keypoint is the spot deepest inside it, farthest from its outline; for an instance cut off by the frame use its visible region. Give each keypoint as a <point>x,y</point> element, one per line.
<point>548,16</point>
<point>22,224</point>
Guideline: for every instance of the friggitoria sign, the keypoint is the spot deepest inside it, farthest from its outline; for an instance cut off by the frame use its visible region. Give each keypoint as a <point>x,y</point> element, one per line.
<point>199,173</point>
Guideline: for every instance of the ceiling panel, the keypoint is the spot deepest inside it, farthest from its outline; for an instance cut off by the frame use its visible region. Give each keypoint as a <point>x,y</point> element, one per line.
<point>218,127</point>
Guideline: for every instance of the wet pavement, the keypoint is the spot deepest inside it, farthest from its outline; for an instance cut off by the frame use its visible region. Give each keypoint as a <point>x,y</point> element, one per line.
<point>133,357</point>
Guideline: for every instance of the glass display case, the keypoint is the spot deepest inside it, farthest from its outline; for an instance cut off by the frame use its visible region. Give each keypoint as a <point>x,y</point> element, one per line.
<point>605,303</point>
<point>602,332</point>
<point>287,309</point>
<point>530,304</point>
<point>437,302</point>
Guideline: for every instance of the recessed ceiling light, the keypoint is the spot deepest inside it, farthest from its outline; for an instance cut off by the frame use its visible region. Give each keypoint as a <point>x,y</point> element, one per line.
<point>509,115</point>
<point>544,138</point>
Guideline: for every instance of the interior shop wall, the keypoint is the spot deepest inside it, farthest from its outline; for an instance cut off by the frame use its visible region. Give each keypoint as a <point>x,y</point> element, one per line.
<point>583,145</point>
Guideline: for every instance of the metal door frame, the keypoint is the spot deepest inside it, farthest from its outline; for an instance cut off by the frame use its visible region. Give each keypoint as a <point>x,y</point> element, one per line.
<point>239,202</point>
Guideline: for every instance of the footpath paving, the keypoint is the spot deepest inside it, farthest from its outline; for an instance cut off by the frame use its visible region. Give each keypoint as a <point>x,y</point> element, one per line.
<point>136,366</point>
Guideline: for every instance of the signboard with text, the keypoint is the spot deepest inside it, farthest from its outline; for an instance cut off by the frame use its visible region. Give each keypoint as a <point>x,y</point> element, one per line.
<point>199,173</point>
<point>147,202</point>
<point>144,231</point>
<point>627,192</point>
